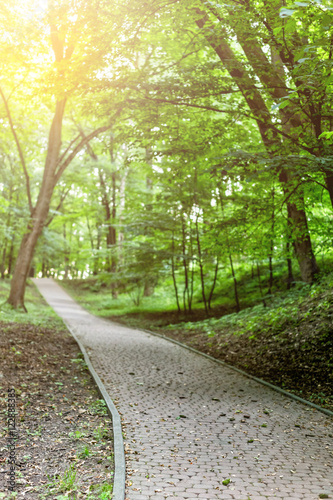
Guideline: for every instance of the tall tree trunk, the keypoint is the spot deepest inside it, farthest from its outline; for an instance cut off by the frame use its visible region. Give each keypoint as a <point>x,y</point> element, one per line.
<point>260,286</point>
<point>5,242</point>
<point>66,252</point>
<point>235,282</point>
<point>290,278</point>
<point>121,208</point>
<point>149,284</point>
<point>298,226</point>
<point>113,236</point>
<point>53,169</point>
<point>185,291</point>
<point>3,262</point>
<point>174,273</point>
<point>98,247</point>
<point>191,287</point>
<point>271,250</point>
<point>202,278</point>
<point>229,252</point>
<point>40,212</point>
<point>302,243</point>
<point>213,284</point>
<point>267,129</point>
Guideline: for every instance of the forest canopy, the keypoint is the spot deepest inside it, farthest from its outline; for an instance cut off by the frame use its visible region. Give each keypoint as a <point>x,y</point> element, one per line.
<point>172,143</point>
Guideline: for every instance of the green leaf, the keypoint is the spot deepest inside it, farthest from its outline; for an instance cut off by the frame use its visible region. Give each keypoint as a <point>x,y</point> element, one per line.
<point>277,30</point>
<point>326,135</point>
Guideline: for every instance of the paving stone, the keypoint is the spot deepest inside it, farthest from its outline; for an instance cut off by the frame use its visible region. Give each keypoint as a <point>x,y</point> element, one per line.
<point>170,381</point>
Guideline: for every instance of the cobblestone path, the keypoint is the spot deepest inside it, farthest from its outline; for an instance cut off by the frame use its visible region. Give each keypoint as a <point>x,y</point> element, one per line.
<point>192,425</point>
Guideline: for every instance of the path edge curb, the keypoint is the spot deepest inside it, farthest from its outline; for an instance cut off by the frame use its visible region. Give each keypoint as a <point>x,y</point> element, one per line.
<point>119,479</point>
<point>242,372</point>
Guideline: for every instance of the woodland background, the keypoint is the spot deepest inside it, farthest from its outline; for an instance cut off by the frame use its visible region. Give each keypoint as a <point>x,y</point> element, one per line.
<point>174,155</point>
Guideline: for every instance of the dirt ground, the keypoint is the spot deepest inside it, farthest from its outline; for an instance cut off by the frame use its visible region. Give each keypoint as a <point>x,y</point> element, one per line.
<point>65,436</point>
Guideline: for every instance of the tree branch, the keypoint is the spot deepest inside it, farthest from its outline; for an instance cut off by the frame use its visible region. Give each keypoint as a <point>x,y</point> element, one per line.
<point>68,148</point>
<point>190,105</point>
<point>20,151</point>
<point>62,199</point>
<point>77,149</point>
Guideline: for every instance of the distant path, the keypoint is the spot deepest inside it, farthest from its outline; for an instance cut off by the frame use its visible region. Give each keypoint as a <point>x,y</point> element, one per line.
<point>268,445</point>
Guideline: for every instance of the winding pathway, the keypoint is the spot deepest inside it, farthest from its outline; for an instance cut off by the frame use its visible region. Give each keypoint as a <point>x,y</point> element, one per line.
<point>191,424</point>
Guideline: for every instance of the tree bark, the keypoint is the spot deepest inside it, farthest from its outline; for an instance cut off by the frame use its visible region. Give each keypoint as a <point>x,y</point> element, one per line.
<point>302,244</point>
<point>174,273</point>
<point>290,278</point>
<point>268,132</point>
<point>66,252</point>
<point>202,278</point>
<point>149,284</point>
<point>209,300</point>
<point>5,244</point>
<point>185,291</point>
<point>39,213</point>
<point>271,250</point>
<point>229,252</point>
<point>113,234</point>
<point>260,286</point>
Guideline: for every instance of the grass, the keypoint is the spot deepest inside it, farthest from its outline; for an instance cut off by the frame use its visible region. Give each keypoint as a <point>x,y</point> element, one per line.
<point>39,313</point>
<point>95,295</point>
<point>283,309</point>
<point>98,300</point>
<point>65,483</point>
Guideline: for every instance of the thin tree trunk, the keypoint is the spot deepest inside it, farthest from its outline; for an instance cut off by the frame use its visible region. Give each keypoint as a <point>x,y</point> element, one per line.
<point>173,272</point>
<point>260,286</point>
<point>109,233</point>
<point>98,247</point>
<point>149,284</point>
<point>93,250</point>
<point>66,252</point>
<point>290,278</point>
<point>202,278</point>
<point>113,237</point>
<point>191,287</point>
<point>229,254</point>
<point>184,265</point>
<point>5,243</point>
<point>235,283</point>
<point>4,253</point>
<point>122,201</point>
<point>3,262</point>
<point>213,285</point>
<point>11,255</point>
<point>271,277</point>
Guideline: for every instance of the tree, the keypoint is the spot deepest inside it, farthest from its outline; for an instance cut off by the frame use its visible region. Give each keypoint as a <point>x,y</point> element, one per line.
<point>246,61</point>
<point>63,40</point>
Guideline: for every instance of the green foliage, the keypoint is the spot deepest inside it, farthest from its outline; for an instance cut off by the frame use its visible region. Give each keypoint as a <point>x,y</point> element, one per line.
<point>185,192</point>
<point>98,407</point>
<point>39,313</point>
<point>64,483</point>
<point>286,309</point>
